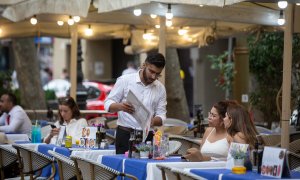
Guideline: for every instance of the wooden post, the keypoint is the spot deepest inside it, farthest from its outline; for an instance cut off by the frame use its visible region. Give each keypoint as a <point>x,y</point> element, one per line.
<point>73,64</point>
<point>286,79</point>
<point>162,44</point>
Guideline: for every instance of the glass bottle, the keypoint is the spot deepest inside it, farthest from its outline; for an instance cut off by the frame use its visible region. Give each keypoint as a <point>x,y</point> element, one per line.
<point>131,144</point>
<point>98,138</point>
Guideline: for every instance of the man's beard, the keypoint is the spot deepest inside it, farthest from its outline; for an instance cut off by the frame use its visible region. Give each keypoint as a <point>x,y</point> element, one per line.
<point>146,79</point>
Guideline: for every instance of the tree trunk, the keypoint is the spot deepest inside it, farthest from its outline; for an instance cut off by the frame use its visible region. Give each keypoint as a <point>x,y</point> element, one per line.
<point>28,74</point>
<point>177,105</point>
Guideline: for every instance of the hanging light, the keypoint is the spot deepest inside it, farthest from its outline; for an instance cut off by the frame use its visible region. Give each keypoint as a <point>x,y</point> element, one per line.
<point>281,20</point>
<point>298,4</point>
<point>137,12</point>
<point>153,16</point>
<point>169,23</point>
<point>282,4</point>
<point>76,18</point>
<point>182,31</point>
<point>33,20</point>
<point>146,35</point>
<point>88,31</point>
<point>169,14</point>
<point>201,5</point>
<point>70,21</point>
<point>157,26</point>
<point>60,23</point>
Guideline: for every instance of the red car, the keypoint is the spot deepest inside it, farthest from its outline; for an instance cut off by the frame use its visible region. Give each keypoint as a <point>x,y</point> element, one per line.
<point>97,92</point>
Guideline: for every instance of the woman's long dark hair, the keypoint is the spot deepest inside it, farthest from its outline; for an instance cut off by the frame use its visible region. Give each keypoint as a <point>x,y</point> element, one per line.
<point>69,101</point>
<point>241,122</point>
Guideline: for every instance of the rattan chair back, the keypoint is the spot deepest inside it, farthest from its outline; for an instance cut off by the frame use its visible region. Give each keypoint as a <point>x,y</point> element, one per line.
<point>66,166</point>
<point>186,143</point>
<point>8,156</point>
<point>94,171</point>
<point>31,161</point>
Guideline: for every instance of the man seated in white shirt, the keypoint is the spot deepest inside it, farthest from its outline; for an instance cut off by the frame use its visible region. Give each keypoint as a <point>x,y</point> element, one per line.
<point>14,119</point>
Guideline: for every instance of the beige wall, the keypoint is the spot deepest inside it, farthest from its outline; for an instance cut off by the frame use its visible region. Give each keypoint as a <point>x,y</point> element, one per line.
<point>59,56</point>
<point>97,58</point>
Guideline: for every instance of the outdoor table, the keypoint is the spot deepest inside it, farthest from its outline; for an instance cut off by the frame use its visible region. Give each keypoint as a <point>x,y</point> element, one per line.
<point>140,168</point>
<point>17,137</point>
<point>226,174</point>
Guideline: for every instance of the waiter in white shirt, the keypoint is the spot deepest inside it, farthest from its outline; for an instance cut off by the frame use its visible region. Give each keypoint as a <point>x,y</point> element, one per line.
<point>14,119</point>
<point>151,92</point>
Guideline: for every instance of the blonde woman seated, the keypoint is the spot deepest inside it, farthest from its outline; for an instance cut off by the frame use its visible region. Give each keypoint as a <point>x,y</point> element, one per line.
<point>69,116</point>
<point>215,142</point>
<point>239,125</point>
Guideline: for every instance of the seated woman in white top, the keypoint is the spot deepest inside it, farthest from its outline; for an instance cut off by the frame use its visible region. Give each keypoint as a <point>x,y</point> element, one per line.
<point>215,142</point>
<point>69,116</point>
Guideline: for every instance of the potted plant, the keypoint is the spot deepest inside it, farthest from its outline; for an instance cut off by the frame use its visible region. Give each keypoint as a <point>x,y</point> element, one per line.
<point>238,154</point>
<point>144,150</point>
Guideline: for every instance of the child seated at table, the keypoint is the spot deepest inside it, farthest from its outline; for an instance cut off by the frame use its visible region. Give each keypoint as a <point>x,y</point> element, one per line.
<point>69,116</point>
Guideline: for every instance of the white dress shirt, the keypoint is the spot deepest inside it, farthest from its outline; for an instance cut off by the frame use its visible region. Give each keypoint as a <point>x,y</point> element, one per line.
<point>73,128</point>
<point>19,122</point>
<point>153,96</point>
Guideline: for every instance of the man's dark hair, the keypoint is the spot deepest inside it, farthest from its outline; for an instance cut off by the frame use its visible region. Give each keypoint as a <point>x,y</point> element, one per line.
<point>12,98</point>
<point>156,59</point>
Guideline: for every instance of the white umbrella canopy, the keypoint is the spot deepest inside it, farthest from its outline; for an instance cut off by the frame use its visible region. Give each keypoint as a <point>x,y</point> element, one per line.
<point>200,22</point>
<point>27,8</point>
<point>112,5</point>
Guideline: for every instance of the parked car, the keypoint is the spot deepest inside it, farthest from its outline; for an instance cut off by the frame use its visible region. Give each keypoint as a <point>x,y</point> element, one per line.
<point>97,92</point>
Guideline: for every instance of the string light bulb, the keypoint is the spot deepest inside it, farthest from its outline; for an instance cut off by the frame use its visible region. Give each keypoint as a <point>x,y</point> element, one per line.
<point>157,26</point>
<point>153,16</point>
<point>33,20</point>
<point>89,31</point>
<point>169,14</point>
<point>282,4</point>
<point>298,4</point>
<point>281,20</point>
<point>182,31</point>
<point>70,21</point>
<point>169,23</point>
<point>60,23</point>
<point>137,12</point>
<point>76,18</point>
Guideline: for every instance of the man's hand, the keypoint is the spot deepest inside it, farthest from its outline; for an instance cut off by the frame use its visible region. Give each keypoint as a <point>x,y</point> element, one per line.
<point>126,107</point>
<point>193,154</point>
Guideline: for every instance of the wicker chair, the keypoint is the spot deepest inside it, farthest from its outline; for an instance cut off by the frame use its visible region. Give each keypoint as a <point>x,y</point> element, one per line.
<point>271,140</point>
<point>186,143</point>
<point>66,166</point>
<point>295,147</point>
<point>293,161</point>
<point>183,175</point>
<point>8,156</point>
<point>31,162</point>
<point>94,171</point>
<point>166,172</point>
<point>294,136</point>
<point>174,146</point>
<point>110,138</point>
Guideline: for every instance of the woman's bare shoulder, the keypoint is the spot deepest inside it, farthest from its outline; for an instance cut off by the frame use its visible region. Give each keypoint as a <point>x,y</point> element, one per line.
<point>239,138</point>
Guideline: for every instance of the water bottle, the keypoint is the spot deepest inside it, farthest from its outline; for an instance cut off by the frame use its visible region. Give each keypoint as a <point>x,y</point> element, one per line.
<point>36,135</point>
